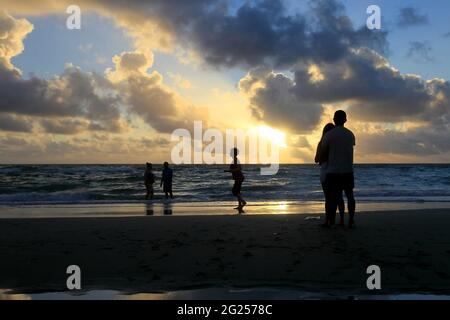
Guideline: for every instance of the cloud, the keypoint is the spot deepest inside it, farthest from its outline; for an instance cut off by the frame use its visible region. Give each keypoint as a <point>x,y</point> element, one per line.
<point>180,81</point>
<point>97,148</point>
<point>10,122</point>
<point>409,16</point>
<point>258,32</point>
<point>297,64</point>
<point>129,64</point>
<point>273,100</point>
<point>300,142</point>
<point>13,148</point>
<point>420,51</point>
<point>64,126</point>
<point>77,101</point>
<point>263,33</point>
<point>363,82</point>
<point>332,62</point>
<point>12,33</point>
<point>72,94</point>
<point>414,142</point>
<point>146,96</point>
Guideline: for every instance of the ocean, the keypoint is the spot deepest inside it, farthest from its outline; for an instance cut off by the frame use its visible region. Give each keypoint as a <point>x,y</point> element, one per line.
<point>107,184</point>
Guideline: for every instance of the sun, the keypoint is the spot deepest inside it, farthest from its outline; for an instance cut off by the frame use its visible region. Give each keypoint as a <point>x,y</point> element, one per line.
<point>277,137</point>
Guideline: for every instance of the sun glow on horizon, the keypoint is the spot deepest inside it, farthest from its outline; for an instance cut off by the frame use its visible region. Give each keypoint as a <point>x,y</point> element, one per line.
<point>277,137</point>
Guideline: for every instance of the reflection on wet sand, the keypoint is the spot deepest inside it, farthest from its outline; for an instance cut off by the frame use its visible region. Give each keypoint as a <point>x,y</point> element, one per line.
<point>168,209</point>
<point>165,209</point>
<point>266,293</point>
<point>6,294</point>
<point>149,209</point>
<point>153,208</point>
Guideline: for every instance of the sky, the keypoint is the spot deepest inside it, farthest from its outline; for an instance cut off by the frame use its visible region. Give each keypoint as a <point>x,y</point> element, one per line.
<point>114,90</point>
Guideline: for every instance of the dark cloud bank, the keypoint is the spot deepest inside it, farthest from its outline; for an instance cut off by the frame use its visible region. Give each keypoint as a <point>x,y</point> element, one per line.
<point>330,61</point>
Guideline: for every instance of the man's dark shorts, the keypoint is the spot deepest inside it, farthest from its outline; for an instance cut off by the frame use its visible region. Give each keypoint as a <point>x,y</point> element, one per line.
<point>340,181</point>
<point>237,187</point>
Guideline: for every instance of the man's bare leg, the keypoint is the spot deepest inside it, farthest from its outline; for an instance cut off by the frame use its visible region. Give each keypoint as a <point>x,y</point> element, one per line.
<point>351,204</point>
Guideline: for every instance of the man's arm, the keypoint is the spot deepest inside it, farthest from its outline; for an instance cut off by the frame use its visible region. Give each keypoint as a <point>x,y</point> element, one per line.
<point>235,169</point>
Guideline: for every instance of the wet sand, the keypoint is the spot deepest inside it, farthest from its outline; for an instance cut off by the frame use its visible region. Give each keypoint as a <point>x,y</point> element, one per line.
<point>154,254</point>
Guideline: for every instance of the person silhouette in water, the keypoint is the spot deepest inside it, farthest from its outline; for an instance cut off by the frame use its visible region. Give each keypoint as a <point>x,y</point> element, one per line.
<point>166,180</point>
<point>149,180</point>
<point>322,160</point>
<point>238,177</point>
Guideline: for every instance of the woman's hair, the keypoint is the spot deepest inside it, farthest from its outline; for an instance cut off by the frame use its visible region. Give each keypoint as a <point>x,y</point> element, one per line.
<point>328,127</point>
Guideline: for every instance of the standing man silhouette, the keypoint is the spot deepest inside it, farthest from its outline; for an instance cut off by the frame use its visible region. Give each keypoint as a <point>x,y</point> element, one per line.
<point>149,180</point>
<point>338,144</point>
<point>238,177</point>
<point>166,180</point>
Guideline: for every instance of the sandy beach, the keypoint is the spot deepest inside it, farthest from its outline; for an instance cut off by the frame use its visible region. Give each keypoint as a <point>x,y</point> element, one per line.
<point>154,254</point>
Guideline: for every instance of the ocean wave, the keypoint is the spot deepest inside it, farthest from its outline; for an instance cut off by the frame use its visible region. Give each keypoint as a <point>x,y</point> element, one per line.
<point>44,197</point>
<point>24,184</point>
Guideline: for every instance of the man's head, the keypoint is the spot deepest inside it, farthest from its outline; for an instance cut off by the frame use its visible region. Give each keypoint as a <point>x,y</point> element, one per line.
<point>149,165</point>
<point>234,152</point>
<point>166,164</point>
<point>340,117</point>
